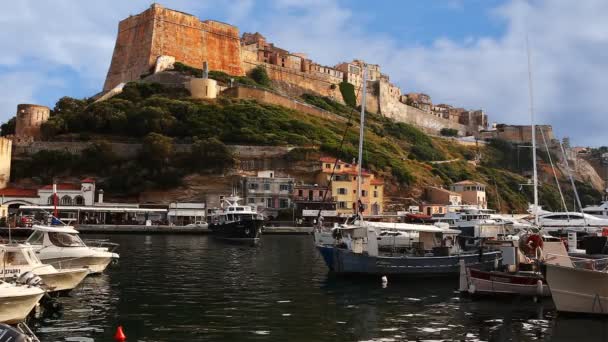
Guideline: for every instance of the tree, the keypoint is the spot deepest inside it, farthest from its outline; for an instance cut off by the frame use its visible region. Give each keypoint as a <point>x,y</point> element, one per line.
<point>98,157</point>
<point>259,75</point>
<point>348,94</point>
<point>449,132</point>
<point>210,154</point>
<point>156,151</point>
<point>69,106</point>
<point>8,127</point>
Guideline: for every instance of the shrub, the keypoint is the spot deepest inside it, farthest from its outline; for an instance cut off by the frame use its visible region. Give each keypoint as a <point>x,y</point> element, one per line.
<point>348,94</point>
<point>8,127</point>
<point>449,132</point>
<point>260,76</point>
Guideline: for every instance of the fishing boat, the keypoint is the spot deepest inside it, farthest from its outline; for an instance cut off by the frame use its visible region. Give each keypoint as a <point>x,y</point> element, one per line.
<point>437,253</point>
<point>17,301</point>
<point>61,246</point>
<point>236,222</point>
<point>578,285</point>
<point>20,258</point>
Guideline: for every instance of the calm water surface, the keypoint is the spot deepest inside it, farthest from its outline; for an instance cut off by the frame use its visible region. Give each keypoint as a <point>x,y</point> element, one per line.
<point>194,288</point>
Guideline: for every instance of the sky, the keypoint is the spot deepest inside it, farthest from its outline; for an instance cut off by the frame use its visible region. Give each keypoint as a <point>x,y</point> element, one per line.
<point>467,53</point>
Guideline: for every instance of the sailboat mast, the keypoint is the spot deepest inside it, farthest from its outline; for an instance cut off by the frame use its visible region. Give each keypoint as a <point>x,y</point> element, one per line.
<point>361,130</point>
<point>533,127</point>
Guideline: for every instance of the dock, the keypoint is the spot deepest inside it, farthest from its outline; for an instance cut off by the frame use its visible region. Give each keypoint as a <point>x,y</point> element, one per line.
<point>166,229</point>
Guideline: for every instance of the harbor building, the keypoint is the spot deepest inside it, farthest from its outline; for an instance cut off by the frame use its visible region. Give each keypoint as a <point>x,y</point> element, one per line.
<point>344,187</point>
<point>473,193</point>
<point>268,193</point>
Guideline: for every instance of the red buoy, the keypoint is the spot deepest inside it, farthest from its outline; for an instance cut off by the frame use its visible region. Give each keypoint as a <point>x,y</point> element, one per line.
<point>120,335</point>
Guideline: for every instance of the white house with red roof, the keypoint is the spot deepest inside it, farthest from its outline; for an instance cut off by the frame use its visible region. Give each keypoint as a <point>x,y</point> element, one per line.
<point>82,194</point>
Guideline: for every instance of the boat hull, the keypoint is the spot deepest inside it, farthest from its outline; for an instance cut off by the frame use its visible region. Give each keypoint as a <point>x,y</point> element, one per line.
<point>64,280</point>
<point>493,282</point>
<point>342,261</point>
<point>578,290</point>
<point>15,309</point>
<point>94,264</point>
<point>245,230</point>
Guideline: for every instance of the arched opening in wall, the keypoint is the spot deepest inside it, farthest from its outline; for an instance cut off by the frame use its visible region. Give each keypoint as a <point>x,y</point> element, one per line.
<point>66,200</point>
<point>79,200</point>
<point>50,200</point>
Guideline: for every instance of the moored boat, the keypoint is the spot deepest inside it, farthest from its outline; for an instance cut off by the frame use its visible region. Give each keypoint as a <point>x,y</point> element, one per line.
<point>62,247</point>
<point>17,301</point>
<point>20,258</point>
<point>236,222</point>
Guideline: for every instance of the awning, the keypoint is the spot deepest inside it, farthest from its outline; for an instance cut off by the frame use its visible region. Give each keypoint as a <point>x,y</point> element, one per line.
<point>186,212</point>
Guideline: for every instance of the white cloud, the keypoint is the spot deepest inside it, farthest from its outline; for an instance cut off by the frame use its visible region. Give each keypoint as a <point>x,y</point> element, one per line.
<point>568,44</point>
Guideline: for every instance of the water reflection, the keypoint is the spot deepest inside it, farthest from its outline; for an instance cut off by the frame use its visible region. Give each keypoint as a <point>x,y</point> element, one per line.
<point>193,288</point>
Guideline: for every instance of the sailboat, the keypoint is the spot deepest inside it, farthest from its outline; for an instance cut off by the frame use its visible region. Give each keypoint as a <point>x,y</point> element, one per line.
<point>355,248</point>
<point>520,272</point>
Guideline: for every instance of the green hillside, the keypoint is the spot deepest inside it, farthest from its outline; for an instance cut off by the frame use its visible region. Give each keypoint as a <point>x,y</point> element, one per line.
<point>162,117</point>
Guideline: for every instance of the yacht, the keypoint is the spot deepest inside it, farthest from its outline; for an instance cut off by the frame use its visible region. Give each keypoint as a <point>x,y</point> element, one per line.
<point>600,211</point>
<point>20,258</point>
<point>62,247</point>
<point>17,301</point>
<point>436,253</point>
<point>236,222</point>
<point>473,223</point>
<point>572,221</point>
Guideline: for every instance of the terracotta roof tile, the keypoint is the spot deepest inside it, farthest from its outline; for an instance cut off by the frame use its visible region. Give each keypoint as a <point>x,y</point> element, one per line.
<point>15,192</point>
<point>62,186</point>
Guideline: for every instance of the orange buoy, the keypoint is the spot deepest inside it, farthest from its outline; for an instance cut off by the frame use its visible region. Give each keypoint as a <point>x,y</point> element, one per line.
<point>120,335</point>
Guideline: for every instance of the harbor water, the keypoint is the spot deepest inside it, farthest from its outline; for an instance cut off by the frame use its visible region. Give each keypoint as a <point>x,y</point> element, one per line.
<point>194,288</point>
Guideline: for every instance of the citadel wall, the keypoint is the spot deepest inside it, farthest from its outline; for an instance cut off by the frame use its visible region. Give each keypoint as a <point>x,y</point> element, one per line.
<point>5,161</point>
<point>159,31</point>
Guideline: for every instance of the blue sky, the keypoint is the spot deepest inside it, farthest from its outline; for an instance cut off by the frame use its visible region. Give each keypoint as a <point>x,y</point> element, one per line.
<point>468,53</point>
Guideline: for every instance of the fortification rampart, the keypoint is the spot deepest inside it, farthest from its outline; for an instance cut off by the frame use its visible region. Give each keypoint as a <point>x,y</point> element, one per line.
<point>5,161</point>
<point>160,31</point>
<point>266,96</point>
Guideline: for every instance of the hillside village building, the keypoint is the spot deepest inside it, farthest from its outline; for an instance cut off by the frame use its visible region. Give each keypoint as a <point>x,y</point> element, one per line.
<point>268,193</point>
<point>344,187</point>
<point>473,193</point>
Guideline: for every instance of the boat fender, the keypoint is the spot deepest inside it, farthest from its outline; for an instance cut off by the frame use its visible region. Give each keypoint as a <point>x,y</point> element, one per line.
<point>496,263</point>
<point>539,288</point>
<point>247,231</point>
<point>472,288</point>
<point>384,280</point>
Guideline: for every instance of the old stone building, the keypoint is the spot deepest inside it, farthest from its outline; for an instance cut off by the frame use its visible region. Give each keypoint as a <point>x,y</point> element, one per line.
<point>29,119</point>
<point>518,133</point>
<point>159,31</point>
<point>5,161</point>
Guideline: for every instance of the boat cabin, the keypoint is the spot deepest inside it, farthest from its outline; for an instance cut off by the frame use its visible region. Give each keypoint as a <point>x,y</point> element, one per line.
<point>64,237</point>
<point>232,211</point>
<point>15,257</point>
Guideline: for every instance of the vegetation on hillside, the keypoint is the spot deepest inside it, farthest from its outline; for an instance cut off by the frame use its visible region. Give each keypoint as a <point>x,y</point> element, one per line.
<point>348,94</point>
<point>163,119</point>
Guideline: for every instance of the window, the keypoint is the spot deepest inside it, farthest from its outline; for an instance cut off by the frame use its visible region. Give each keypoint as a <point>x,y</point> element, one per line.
<point>14,258</point>
<point>321,194</point>
<point>363,193</point>
<point>338,166</point>
<point>253,186</point>
<point>65,240</point>
<point>342,205</point>
<point>283,203</point>
<point>327,166</point>
<point>284,187</point>
<point>266,186</point>
<point>269,203</point>
<point>261,200</point>
<point>375,193</point>
<point>36,238</point>
<point>79,200</point>
<point>441,210</point>
<point>300,193</point>
<point>251,200</point>
<point>66,200</point>
<point>341,191</point>
<point>50,200</point>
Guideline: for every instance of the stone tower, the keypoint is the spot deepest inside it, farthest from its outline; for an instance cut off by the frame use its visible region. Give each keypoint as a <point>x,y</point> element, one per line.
<point>159,31</point>
<point>29,119</point>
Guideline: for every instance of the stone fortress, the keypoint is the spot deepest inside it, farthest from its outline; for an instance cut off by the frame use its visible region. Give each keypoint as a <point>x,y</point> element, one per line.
<point>159,34</point>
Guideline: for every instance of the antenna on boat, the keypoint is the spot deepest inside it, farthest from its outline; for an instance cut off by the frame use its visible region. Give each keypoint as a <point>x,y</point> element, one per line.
<point>359,205</point>
<point>533,127</point>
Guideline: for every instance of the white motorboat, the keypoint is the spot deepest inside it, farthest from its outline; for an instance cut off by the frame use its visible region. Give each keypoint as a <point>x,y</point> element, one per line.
<point>578,285</point>
<point>62,247</point>
<point>17,301</point>
<point>20,258</point>
<point>572,221</point>
<point>600,211</point>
